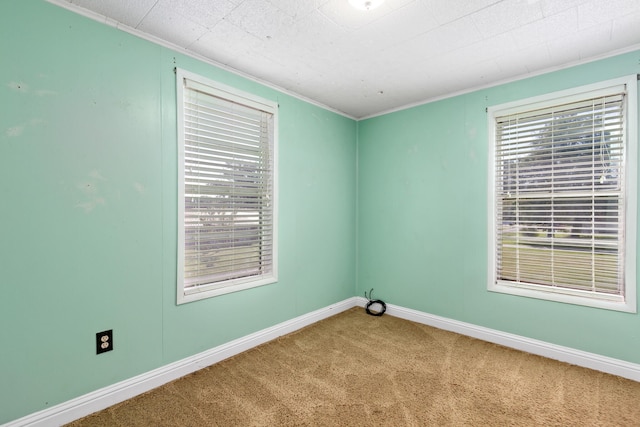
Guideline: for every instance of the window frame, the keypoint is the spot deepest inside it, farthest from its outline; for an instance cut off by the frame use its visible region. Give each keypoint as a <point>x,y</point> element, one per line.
<point>628,303</point>
<point>231,94</point>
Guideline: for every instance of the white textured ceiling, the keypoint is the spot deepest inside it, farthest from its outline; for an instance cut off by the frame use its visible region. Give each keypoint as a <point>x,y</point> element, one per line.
<point>363,63</point>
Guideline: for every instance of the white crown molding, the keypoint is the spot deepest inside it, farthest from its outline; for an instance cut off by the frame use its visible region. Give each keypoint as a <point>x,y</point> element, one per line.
<point>107,21</point>
<point>116,393</point>
<point>508,80</point>
<point>179,49</point>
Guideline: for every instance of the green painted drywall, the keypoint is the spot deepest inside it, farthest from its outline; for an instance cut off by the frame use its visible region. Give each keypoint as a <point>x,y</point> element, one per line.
<point>422,218</point>
<point>88,212</point>
<point>88,182</point>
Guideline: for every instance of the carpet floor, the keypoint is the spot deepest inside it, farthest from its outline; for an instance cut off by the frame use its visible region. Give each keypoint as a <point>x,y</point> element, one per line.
<point>358,370</point>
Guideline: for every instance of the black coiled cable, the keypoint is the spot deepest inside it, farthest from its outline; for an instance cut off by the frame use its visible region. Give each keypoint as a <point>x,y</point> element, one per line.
<point>383,306</point>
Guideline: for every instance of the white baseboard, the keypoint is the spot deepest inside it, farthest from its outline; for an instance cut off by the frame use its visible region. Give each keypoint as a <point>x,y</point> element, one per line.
<point>116,393</point>
<point>552,351</point>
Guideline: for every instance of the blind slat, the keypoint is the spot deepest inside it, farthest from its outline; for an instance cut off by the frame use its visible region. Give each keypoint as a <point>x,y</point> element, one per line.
<point>560,198</point>
<point>228,188</point>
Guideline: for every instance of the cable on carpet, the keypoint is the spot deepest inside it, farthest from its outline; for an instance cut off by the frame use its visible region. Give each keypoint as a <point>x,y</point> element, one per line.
<point>383,306</point>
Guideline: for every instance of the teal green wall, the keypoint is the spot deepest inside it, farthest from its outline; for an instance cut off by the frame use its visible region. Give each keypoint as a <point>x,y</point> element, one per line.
<point>422,218</point>
<point>88,214</point>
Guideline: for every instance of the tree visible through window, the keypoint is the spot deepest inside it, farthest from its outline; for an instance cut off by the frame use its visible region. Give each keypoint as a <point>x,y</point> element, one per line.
<point>227,174</point>
<point>560,184</point>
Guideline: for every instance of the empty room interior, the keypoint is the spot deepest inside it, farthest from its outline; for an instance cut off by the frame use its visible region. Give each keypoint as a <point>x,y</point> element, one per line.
<point>474,163</point>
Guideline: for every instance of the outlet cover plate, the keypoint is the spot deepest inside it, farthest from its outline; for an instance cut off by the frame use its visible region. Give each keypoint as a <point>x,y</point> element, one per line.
<point>104,341</point>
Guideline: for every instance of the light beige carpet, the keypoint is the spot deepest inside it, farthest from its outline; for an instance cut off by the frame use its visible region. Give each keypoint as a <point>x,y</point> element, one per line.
<point>358,370</point>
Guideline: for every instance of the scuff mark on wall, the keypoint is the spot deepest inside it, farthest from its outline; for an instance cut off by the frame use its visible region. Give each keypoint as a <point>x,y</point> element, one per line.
<point>25,88</point>
<point>45,92</point>
<point>139,188</point>
<point>95,174</point>
<point>19,129</point>
<point>90,190</point>
<point>124,103</point>
<point>87,188</point>
<point>472,133</point>
<point>15,131</point>
<point>18,86</point>
<point>90,205</point>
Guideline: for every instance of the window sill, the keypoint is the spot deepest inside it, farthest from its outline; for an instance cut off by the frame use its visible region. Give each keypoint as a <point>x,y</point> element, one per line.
<point>568,297</point>
<point>203,292</point>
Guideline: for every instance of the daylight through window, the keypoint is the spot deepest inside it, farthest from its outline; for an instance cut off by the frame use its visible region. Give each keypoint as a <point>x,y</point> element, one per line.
<point>560,170</point>
<point>227,198</point>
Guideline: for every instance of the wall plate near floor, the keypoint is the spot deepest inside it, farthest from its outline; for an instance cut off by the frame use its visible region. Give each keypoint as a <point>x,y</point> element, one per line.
<point>104,341</point>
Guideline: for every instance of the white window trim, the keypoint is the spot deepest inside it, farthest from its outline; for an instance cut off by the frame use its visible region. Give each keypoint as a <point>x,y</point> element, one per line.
<point>629,304</point>
<point>244,98</point>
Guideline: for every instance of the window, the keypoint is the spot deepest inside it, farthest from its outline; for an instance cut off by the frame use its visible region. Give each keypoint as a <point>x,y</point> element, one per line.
<point>227,235</point>
<point>563,196</point>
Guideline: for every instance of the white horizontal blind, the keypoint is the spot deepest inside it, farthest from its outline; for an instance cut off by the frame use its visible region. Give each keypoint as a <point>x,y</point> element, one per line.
<point>559,174</point>
<point>228,189</point>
